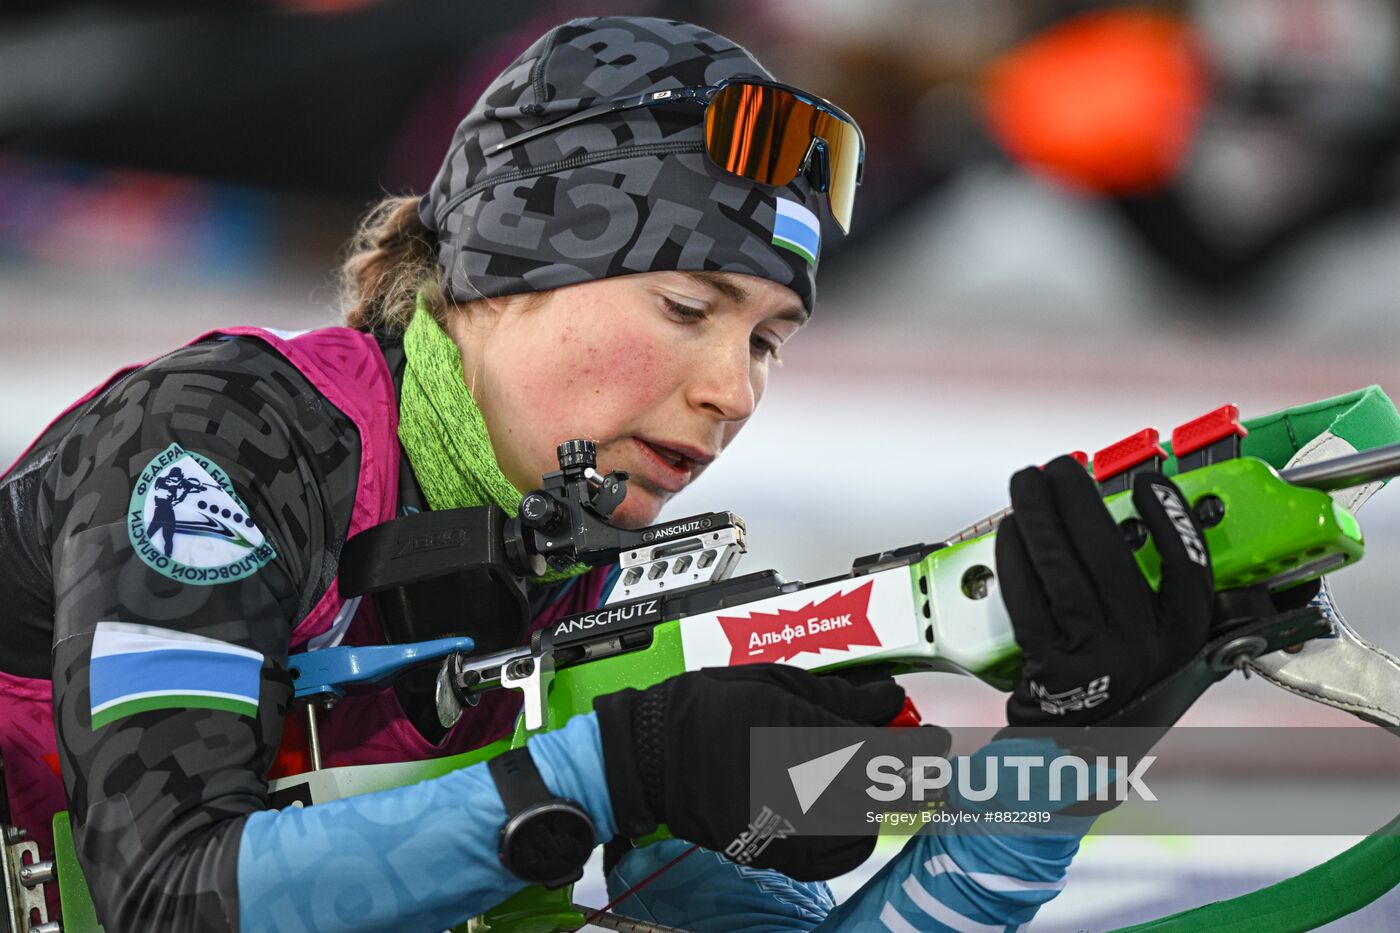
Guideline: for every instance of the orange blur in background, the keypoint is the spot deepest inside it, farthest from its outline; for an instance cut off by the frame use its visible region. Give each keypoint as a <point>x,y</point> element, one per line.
<point>1106,102</point>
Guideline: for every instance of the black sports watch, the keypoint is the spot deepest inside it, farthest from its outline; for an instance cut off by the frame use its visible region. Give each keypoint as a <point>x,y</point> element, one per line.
<point>547,839</point>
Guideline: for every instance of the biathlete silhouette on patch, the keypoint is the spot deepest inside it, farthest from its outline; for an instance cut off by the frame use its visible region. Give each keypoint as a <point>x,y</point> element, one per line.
<point>170,490</point>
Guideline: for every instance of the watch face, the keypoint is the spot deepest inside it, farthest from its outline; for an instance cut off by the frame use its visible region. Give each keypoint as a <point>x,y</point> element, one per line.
<point>548,843</point>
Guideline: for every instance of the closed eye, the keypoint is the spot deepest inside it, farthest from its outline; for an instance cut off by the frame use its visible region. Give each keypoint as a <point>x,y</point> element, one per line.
<point>764,348</point>
<point>686,313</point>
<point>761,347</point>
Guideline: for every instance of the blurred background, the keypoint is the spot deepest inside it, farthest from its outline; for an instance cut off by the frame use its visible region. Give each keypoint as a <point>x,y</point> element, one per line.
<point>1078,220</point>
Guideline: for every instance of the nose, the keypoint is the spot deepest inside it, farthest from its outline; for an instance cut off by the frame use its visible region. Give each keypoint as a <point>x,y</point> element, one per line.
<point>723,384</point>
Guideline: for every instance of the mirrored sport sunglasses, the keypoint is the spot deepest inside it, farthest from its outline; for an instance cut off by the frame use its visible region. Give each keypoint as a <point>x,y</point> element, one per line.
<point>759,130</point>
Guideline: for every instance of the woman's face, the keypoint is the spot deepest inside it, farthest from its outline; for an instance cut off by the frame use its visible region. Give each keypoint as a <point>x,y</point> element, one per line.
<point>661,369</point>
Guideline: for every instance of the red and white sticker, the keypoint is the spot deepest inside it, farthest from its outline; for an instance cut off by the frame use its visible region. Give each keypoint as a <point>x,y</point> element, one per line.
<point>809,628</point>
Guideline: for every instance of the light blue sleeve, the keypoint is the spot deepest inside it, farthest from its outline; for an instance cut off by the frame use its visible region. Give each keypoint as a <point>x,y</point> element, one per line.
<point>968,883</point>
<point>421,857</point>
<point>707,893</point>
<point>972,882</point>
<point>940,882</point>
<point>977,879</point>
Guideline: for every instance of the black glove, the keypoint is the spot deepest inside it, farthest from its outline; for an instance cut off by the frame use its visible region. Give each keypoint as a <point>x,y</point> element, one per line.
<point>1093,634</point>
<point>678,753</point>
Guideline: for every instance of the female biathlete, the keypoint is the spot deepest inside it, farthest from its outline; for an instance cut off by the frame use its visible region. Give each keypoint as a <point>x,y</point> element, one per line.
<point>623,234</point>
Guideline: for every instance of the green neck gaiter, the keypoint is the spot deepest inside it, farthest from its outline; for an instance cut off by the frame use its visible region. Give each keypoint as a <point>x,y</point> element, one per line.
<point>443,432</point>
<point>441,426</point>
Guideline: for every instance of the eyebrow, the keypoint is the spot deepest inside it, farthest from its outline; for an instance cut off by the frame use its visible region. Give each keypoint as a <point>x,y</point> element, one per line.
<point>726,286</point>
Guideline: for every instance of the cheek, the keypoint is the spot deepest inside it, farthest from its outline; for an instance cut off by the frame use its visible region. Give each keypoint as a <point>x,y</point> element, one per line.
<point>758,378</point>
<point>621,375</point>
<point>731,430</point>
<point>591,382</point>
<point>622,368</point>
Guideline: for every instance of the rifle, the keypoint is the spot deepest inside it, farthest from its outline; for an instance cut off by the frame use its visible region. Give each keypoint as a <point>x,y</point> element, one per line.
<point>677,606</point>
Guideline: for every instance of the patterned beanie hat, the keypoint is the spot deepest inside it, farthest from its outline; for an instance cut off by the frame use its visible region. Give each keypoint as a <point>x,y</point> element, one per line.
<point>633,191</point>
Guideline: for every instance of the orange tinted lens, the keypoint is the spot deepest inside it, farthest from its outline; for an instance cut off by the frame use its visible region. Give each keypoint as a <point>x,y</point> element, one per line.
<point>761,133</point>
<point>843,156</point>
<point>765,134</point>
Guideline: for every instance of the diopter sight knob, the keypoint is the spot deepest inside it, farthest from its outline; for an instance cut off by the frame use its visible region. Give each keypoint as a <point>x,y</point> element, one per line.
<point>577,453</point>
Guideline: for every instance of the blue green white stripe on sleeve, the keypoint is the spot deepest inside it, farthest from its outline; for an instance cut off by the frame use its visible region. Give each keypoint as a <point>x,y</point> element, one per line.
<point>136,668</point>
<point>797,229</point>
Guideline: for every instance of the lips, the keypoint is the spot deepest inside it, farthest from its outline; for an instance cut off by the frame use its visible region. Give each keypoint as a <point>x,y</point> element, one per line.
<point>671,466</point>
<point>678,451</point>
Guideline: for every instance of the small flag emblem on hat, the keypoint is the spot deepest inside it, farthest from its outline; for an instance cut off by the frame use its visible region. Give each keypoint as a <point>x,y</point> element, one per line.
<point>797,229</point>
<point>136,668</point>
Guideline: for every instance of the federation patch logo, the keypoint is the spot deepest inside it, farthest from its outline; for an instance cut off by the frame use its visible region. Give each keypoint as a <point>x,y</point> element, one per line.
<point>838,622</point>
<point>187,523</point>
<point>796,228</point>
